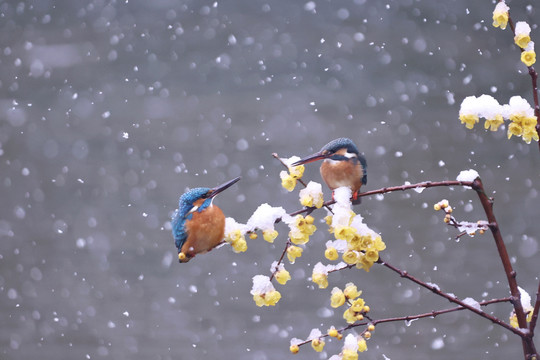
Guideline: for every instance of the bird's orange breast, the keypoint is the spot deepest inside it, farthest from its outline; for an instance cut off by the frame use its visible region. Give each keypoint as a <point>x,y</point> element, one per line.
<point>205,231</point>
<point>342,173</point>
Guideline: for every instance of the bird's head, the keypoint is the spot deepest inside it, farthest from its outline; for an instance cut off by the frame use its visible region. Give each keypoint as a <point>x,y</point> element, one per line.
<point>200,198</point>
<point>341,149</point>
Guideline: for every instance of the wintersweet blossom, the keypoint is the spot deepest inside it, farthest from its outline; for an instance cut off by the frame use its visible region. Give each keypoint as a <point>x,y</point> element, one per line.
<point>294,252</point>
<point>287,181</point>
<point>300,229</point>
<point>280,273</point>
<point>331,253</point>
<point>468,112</point>
<point>522,36</point>
<point>338,297</point>
<point>312,195</point>
<point>351,291</point>
<point>237,240</point>
<point>350,348</point>
<point>264,292</point>
<point>294,347</point>
<point>316,342</point>
<point>362,345</point>
<point>320,275</point>
<point>270,235</point>
<point>500,15</point>
<point>525,299</point>
<point>528,57</point>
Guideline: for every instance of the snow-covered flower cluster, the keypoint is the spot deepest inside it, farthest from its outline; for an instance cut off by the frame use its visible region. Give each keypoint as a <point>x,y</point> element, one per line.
<point>355,241</point>
<point>500,15</point>
<point>280,273</point>
<point>301,228</point>
<point>518,111</point>
<point>264,292</point>
<point>288,178</point>
<point>235,235</point>
<point>312,195</point>
<point>522,32</point>
<point>264,219</point>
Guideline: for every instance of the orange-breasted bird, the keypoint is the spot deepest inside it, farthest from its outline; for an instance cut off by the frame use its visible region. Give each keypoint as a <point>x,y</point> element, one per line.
<point>342,165</point>
<point>198,226</point>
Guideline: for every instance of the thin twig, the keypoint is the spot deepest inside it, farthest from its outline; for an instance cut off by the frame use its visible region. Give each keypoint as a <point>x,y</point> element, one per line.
<point>437,291</point>
<point>408,318</point>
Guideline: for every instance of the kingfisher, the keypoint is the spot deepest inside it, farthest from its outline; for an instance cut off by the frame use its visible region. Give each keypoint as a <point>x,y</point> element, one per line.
<point>342,165</point>
<point>198,226</point>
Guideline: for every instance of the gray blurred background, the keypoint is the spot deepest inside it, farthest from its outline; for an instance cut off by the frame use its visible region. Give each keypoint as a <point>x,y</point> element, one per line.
<point>109,110</point>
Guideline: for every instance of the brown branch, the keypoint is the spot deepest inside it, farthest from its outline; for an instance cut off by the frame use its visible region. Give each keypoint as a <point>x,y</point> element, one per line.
<point>437,291</point>
<point>534,317</point>
<point>487,204</point>
<point>431,314</point>
<point>425,184</point>
<point>287,244</point>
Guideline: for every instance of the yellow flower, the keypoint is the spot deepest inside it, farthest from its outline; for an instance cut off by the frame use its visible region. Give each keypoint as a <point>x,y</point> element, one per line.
<point>287,181</point>
<point>282,276</point>
<point>493,124</point>
<point>338,298</point>
<point>379,244</point>
<point>349,316</point>
<point>317,345</point>
<point>469,120</point>
<point>271,298</point>
<point>234,235</point>
<point>333,332</point>
<point>530,134</point>
<point>366,241</point>
<point>351,291</point>
<point>306,200</point>
<point>529,121</point>
<point>350,257</point>
<point>320,279</point>
<point>298,237</point>
<point>358,305</point>
<point>500,17</point>
<point>522,40</point>
<point>296,171</point>
<point>514,129</point>
<point>344,232</point>
<point>239,245</point>
<point>253,235</point>
<point>364,263</point>
<point>528,57</point>
<point>328,220</point>
<point>309,219</point>
<point>362,346</point>
<point>259,299</point>
<point>294,348</point>
<point>270,235</point>
<point>294,252</point>
<point>514,321</point>
<point>331,253</point>
<point>372,254</point>
<point>349,354</point>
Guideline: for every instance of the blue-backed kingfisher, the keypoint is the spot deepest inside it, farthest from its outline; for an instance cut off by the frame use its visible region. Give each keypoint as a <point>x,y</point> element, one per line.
<point>198,226</point>
<point>342,165</point>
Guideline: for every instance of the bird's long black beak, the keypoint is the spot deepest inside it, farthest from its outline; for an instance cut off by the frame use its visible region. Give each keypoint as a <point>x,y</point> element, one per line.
<point>311,158</point>
<point>222,187</point>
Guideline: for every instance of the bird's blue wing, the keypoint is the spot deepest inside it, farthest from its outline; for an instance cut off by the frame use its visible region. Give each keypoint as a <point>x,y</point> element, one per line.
<point>363,162</point>
<point>178,229</point>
